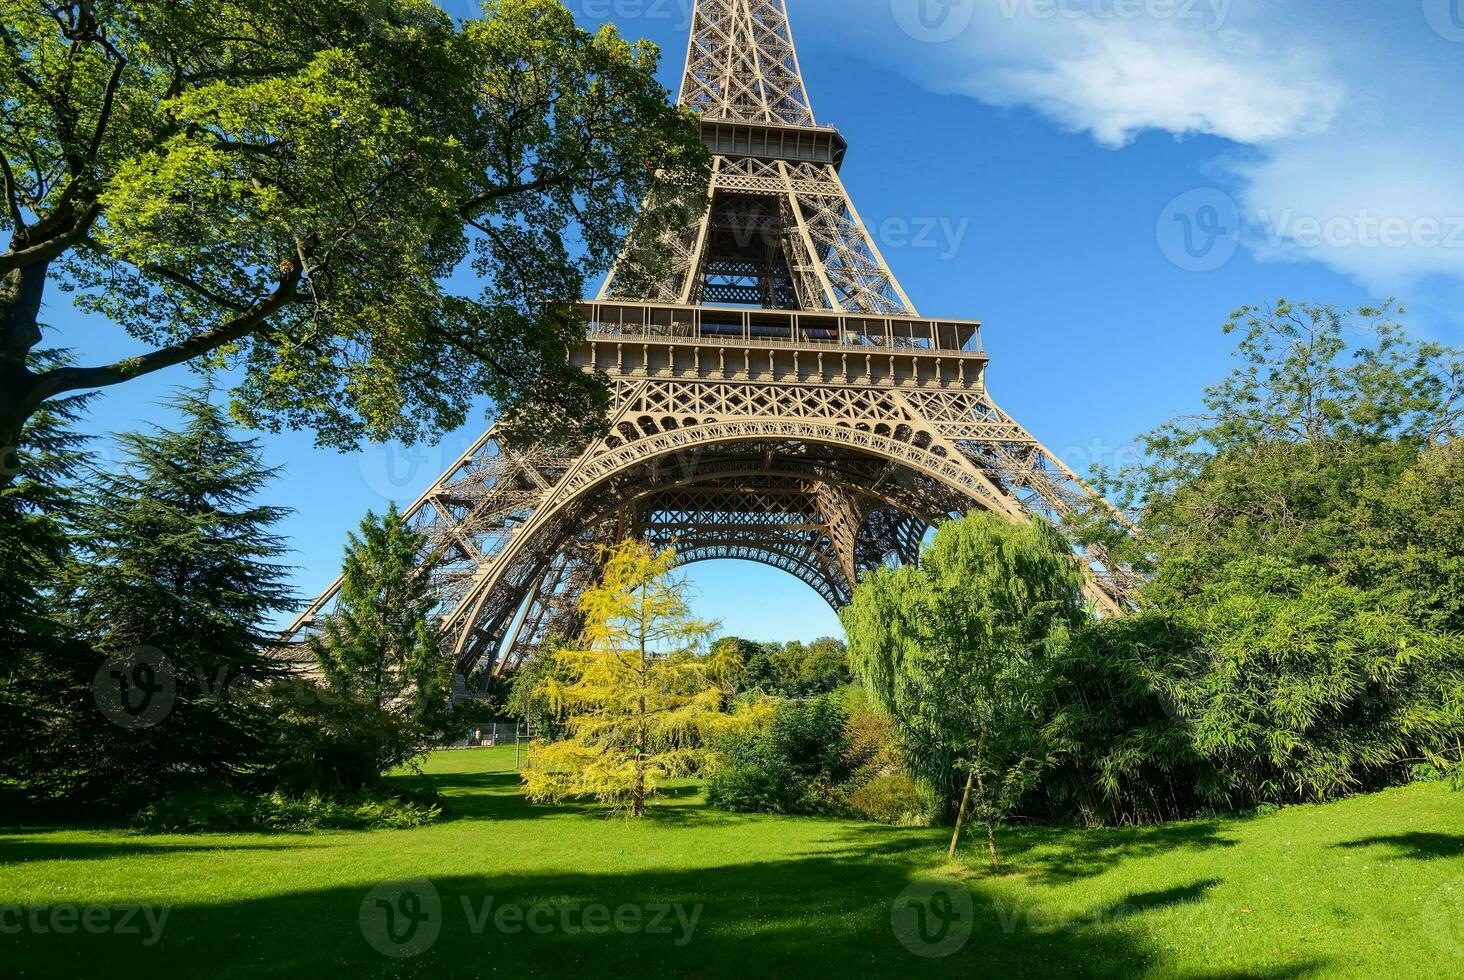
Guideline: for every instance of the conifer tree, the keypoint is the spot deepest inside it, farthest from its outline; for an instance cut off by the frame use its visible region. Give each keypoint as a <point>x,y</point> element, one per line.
<point>177,570</point>
<point>641,698</point>
<point>381,644</point>
<point>39,666</point>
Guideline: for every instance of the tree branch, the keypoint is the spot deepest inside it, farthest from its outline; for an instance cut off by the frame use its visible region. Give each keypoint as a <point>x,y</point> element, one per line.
<point>12,194</point>
<point>48,249</point>
<point>59,380</point>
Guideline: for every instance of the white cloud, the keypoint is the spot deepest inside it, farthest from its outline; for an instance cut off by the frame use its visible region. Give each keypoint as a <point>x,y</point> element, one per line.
<point>1116,79</point>
<point>1116,76</point>
<point>1352,125</point>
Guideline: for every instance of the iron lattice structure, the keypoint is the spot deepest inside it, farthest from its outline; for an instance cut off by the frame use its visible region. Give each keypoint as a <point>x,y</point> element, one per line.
<point>775,398</point>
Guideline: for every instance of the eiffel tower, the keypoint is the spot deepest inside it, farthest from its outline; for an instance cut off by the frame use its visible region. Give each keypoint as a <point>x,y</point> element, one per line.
<point>775,396</point>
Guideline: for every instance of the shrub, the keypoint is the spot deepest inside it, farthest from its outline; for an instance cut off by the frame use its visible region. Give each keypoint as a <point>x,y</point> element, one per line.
<point>896,799</point>
<point>801,762</point>
<point>335,744</point>
<point>225,809</point>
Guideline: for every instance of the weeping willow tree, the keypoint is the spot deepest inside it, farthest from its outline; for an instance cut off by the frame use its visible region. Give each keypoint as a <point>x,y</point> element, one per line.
<point>957,651</point>
<point>637,695</point>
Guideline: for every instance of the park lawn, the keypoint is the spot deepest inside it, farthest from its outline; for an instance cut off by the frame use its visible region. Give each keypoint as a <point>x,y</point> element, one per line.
<point>1367,887</point>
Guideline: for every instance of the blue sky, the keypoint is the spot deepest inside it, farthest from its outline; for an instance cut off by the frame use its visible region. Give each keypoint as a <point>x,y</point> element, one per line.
<point>1100,181</point>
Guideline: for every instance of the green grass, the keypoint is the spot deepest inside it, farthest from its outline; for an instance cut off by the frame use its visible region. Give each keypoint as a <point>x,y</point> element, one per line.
<point>1372,886</point>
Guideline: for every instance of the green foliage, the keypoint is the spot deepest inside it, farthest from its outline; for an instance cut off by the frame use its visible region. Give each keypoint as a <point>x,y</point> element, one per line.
<point>40,665</point>
<point>1306,690</point>
<point>801,761</point>
<point>894,798</point>
<point>1120,753</point>
<point>957,650</point>
<point>792,669</point>
<point>381,643</point>
<point>641,699</point>
<point>529,699</point>
<point>175,557</point>
<point>287,190</point>
<point>324,740</point>
<point>1306,538</point>
<point>1303,432</point>
<point>222,809</point>
<point>1407,539</point>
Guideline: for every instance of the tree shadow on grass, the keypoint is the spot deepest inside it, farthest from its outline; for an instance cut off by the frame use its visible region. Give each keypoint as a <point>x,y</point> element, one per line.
<point>1140,902</point>
<point>24,849</point>
<point>808,917</point>
<point>498,796</point>
<point>1054,856</point>
<point>1418,845</point>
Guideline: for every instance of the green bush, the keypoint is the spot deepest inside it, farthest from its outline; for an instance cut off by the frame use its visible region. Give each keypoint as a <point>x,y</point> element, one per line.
<point>224,809</point>
<point>800,763</point>
<point>895,799</point>
<point>331,743</point>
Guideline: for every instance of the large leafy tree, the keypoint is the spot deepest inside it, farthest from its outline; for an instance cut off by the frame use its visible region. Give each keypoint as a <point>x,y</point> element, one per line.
<point>285,189</point>
<point>957,650</point>
<point>177,559</point>
<point>640,697</point>
<point>1408,539</point>
<point>1324,406</point>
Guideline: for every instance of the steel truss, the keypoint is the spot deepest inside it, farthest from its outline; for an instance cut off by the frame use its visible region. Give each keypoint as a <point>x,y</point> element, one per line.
<point>823,428</point>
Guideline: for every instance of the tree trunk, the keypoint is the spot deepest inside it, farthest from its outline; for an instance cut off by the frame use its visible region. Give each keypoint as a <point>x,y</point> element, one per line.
<point>961,815</point>
<point>638,793</point>
<point>20,305</point>
<point>986,804</point>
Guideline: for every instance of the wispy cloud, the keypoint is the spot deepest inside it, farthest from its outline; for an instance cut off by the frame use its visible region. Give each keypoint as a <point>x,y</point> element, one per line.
<point>1352,128</point>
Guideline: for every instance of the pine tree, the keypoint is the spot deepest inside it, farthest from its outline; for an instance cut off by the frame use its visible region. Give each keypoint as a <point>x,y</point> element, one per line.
<point>641,699</point>
<point>40,669</point>
<point>178,563</point>
<point>381,644</point>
